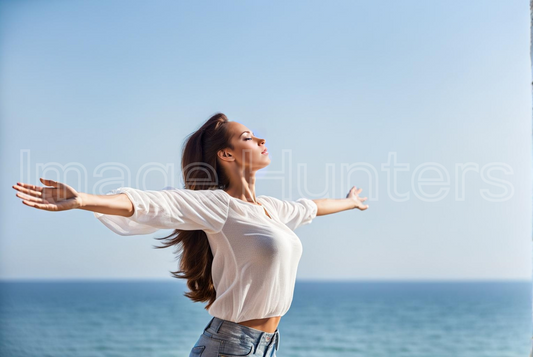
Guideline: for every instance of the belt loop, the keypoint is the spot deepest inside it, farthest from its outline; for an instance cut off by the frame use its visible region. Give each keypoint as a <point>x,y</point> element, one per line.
<point>217,323</point>
<point>209,323</point>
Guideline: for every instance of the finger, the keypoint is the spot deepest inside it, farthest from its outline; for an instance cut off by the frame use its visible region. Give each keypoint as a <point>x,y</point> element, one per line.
<point>25,188</point>
<point>30,187</point>
<point>31,198</point>
<point>39,205</point>
<point>364,199</point>
<point>50,182</point>
<point>359,191</point>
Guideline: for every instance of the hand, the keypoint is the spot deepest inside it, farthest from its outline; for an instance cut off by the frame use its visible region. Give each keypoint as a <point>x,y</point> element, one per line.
<point>60,197</point>
<point>354,195</point>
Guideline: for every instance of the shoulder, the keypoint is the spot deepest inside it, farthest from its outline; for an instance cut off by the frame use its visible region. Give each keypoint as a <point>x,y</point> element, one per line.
<point>265,198</point>
<point>287,204</point>
<point>270,200</point>
<point>219,194</point>
<point>216,195</point>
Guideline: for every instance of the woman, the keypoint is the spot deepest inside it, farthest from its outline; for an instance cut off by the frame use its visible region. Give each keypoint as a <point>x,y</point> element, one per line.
<point>239,251</point>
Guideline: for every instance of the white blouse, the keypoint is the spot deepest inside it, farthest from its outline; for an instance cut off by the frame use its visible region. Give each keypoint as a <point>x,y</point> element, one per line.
<point>255,258</point>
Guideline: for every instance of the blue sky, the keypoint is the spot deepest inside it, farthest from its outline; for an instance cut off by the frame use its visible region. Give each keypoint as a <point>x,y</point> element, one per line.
<point>96,84</point>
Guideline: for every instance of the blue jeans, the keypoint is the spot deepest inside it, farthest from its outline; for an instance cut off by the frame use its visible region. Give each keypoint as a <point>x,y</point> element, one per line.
<point>223,338</point>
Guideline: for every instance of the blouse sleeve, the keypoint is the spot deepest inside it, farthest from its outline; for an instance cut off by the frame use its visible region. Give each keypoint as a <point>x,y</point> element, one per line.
<point>184,209</point>
<point>294,213</point>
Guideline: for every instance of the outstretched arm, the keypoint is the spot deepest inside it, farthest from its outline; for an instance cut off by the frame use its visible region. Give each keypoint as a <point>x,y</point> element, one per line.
<point>62,197</point>
<point>333,205</point>
<point>130,211</point>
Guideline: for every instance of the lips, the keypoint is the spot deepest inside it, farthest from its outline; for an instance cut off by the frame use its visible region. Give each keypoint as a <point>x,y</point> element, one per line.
<point>264,151</point>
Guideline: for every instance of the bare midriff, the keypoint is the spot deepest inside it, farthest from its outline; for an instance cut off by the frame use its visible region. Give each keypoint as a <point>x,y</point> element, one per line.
<point>268,324</point>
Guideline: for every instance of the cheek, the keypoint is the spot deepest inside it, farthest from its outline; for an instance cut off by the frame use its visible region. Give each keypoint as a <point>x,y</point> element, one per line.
<point>242,152</point>
<point>247,148</point>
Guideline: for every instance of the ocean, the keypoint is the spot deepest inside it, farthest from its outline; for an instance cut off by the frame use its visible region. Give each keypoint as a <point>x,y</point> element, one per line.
<point>373,319</point>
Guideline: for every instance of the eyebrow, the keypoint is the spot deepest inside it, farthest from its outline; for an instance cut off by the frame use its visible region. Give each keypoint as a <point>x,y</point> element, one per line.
<point>246,131</point>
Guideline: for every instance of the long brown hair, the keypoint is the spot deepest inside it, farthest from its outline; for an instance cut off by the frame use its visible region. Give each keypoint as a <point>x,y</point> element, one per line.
<point>200,171</point>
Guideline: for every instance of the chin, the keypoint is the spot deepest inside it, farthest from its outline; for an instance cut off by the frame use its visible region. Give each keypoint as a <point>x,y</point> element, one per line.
<point>266,164</point>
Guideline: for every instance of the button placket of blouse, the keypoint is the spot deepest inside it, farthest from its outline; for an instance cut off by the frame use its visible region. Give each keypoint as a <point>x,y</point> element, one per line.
<point>264,209</point>
<point>269,216</point>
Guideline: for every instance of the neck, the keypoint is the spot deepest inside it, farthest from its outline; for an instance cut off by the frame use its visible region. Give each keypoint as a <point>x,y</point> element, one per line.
<point>242,186</point>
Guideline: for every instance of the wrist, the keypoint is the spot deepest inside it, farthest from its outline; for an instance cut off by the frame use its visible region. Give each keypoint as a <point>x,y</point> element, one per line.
<point>353,204</point>
<point>80,200</point>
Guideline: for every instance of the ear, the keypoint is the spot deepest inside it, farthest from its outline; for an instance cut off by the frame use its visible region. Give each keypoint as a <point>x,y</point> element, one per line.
<point>225,155</point>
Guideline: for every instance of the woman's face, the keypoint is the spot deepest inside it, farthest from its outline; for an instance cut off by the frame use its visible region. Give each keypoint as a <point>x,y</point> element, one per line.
<point>249,151</point>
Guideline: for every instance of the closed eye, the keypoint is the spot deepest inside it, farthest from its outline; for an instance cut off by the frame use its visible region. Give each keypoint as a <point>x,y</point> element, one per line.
<point>248,139</point>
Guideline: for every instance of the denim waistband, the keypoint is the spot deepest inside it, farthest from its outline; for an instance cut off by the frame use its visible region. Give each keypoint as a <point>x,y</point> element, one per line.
<point>238,332</point>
